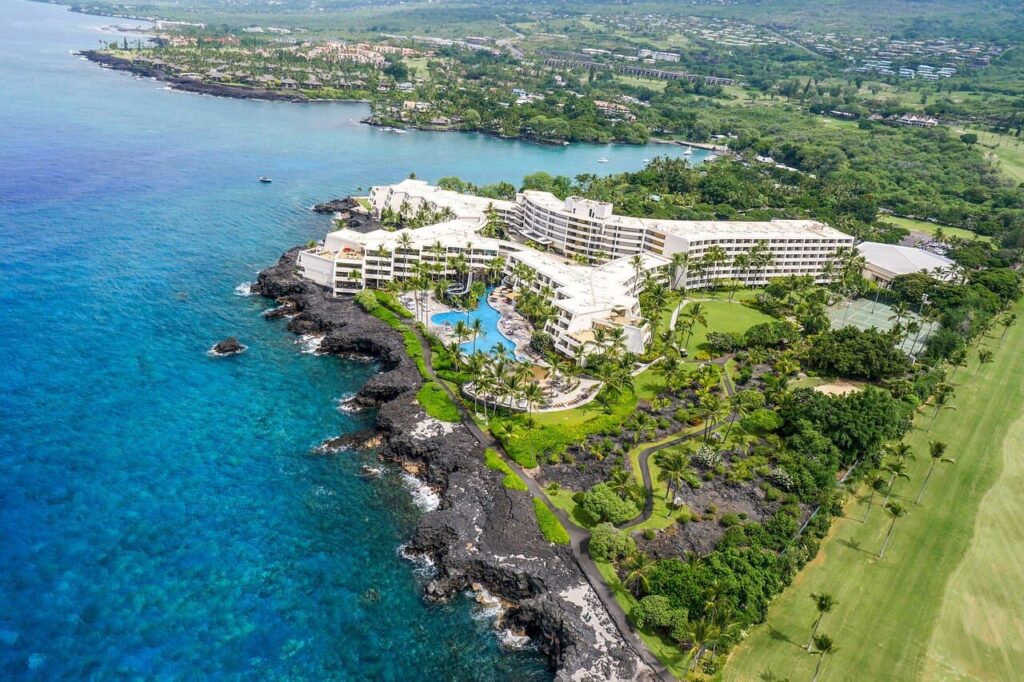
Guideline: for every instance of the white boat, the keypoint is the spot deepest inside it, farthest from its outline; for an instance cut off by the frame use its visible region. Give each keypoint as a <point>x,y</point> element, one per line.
<point>396,131</point>
<point>265,180</point>
<point>602,160</point>
<point>689,150</point>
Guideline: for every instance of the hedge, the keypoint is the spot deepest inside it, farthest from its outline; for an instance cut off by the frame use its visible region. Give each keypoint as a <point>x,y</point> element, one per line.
<point>437,403</point>
<point>494,461</point>
<point>388,300</point>
<point>550,527</point>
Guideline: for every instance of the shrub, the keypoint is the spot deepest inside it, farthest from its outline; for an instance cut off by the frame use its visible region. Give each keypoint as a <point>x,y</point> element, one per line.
<point>608,543</point>
<point>761,421</point>
<point>601,503</point>
<point>550,527</point>
<point>512,481</point>
<point>685,514</point>
<point>655,611</point>
<point>367,301</point>
<point>437,403</point>
<point>389,301</point>
<point>649,534</point>
<point>729,520</point>
<point>721,343</point>
<point>780,478</point>
<point>707,457</point>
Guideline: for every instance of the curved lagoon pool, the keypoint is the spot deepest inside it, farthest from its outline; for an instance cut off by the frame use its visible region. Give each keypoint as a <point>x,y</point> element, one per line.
<point>488,340</point>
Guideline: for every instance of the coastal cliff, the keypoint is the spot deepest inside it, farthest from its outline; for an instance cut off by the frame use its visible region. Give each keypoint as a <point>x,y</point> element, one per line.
<point>188,84</point>
<point>482,534</point>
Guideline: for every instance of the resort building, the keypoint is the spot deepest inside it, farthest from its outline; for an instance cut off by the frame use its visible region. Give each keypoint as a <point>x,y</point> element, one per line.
<point>582,227</point>
<point>885,262</point>
<point>552,239</point>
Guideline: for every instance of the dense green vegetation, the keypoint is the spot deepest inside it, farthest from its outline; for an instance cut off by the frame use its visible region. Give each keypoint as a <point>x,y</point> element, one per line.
<point>512,481</point>
<point>550,527</point>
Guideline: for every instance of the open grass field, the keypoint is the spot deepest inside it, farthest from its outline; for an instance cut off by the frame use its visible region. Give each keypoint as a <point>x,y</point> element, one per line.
<point>946,602</point>
<point>1007,150</point>
<point>932,228</point>
<point>725,316</point>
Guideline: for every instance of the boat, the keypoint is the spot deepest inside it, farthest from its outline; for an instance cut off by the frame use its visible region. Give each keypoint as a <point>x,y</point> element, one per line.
<point>602,160</point>
<point>265,180</point>
<point>689,150</point>
<point>647,161</point>
<point>396,131</point>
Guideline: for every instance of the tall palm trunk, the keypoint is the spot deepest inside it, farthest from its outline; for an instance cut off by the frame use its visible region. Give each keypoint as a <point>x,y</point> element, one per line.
<point>871,500</point>
<point>814,631</point>
<point>817,668</point>
<point>925,484</point>
<point>888,493</point>
<point>888,535</point>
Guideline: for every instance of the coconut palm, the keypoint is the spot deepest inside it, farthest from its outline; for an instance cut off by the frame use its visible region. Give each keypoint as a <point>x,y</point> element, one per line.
<point>943,394</point>
<point>674,468</point>
<point>823,602</point>
<point>533,394</point>
<point>937,451</point>
<point>477,328</point>
<point>699,633</point>
<point>1007,321</point>
<point>742,262</point>
<point>694,313</point>
<point>678,266</point>
<point>712,410</point>
<point>896,469</point>
<point>958,359</point>
<point>985,356</point>
<point>741,404</point>
<point>824,646</point>
<point>461,332</point>
<point>877,485</point>
<point>638,571</point>
<point>895,510</point>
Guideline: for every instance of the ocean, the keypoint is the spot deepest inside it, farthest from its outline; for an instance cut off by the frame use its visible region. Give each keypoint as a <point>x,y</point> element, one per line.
<point>165,513</point>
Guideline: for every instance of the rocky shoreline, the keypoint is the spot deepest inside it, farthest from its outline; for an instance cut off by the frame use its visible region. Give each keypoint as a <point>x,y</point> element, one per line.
<point>188,84</point>
<point>482,534</point>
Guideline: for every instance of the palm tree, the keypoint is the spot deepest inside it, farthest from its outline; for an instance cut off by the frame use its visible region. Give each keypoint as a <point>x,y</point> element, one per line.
<point>638,570</point>
<point>699,633</point>
<point>985,356</point>
<point>958,359</point>
<point>694,313</point>
<point>712,410</point>
<point>741,405</point>
<point>823,602</point>
<point>943,394</point>
<point>534,395</point>
<point>1007,320</point>
<point>877,484</point>
<point>742,262</point>
<point>675,469</point>
<point>897,469</point>
<point>825,647</point>
<point>895,510</point>
<point>461,331</point>
<point>712,258</point>
<point>477,328</point>
<point>937,450</point>
<point>676,267</point>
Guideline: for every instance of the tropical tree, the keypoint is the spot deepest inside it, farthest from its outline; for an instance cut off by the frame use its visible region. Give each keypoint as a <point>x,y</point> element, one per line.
<point>895,510</point>
<point>943,394</point>
<point>533,394</point>
<point>638,572</point>
<point>694,313</point>
<point>823,602</point>
<point>824,646</point>
<point>477,328</point>
<point>461,331</point>
<point>674,468</point>
<point>897,469</point>
<point>877,485</point>
<point>937,451</point>
<point>1007,321</point>
<point>712,410</point>
<point>985,356</point>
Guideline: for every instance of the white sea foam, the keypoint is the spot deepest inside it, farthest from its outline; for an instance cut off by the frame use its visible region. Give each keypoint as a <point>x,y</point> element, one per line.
<point>422,494</point>
<point>511,639</point>
<point>424,563</point>
<point>348,405</point>
<point>244,289</point>
<point>488,607</point>
<point>310,343</point>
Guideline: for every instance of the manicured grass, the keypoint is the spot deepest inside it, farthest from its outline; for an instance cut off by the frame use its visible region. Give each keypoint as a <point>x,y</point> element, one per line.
<point>562,498</point>
<point>666,651</point>
<point>1008,151</point>
<point>418,67</point>
<point>550,527</point>
<point>946,601</point>
<point>437,403</point>
<point>512,481</point>
<point>725,316</point>
<point>932,228</point>
<point>365,203</point>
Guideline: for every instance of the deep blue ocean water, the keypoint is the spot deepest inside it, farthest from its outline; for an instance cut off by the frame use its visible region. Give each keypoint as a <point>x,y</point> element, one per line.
<point>162,514</point>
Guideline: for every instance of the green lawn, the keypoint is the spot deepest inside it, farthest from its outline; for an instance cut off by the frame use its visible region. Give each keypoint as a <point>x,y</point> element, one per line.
<point>1007,150</point>
<point>931,228</point>
<point>726,316</point>
<point>946,602</point>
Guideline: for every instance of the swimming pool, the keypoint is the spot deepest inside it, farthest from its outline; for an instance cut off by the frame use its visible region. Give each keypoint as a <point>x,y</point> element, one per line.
<point>489,337</point>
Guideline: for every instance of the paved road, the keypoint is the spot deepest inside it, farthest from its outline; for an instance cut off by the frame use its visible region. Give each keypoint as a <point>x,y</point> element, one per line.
<point>578,537</point>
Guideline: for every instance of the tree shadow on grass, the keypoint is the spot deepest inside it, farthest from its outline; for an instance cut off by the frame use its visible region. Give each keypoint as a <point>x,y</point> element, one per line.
<point>780,636</point>
<point>850,543</point>
<point>769,676</point>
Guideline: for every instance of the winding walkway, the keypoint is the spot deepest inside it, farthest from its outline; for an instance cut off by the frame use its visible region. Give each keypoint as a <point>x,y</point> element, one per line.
<point>578,537</point>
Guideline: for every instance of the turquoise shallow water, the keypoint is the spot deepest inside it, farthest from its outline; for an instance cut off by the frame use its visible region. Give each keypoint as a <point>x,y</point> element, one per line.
<point>161,512</point>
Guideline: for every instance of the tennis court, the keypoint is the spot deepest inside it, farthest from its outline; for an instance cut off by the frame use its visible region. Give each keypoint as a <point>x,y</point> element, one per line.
<point>865,313</point>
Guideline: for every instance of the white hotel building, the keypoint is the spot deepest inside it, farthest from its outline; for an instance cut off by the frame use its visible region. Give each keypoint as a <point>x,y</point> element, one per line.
<point>585,296</point>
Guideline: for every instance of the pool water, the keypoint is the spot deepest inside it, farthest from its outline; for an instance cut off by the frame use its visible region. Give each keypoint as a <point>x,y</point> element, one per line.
<point>490,337</point>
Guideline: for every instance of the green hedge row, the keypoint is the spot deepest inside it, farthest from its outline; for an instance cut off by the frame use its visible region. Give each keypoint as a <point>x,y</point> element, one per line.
<point>512,481</point>
<point>550,527</point>
<point>437,403</point>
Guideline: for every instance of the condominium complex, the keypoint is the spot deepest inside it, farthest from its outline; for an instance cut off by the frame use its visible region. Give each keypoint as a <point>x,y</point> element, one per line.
<point>550,237</point>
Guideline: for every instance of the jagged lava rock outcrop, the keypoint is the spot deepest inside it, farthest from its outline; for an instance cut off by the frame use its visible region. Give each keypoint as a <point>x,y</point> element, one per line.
<point>481,533</point>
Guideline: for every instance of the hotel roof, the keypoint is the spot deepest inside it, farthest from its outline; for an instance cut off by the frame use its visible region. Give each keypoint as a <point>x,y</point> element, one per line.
<point>901,260</point>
